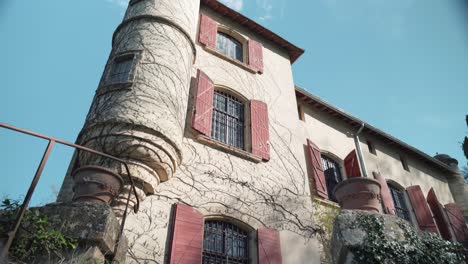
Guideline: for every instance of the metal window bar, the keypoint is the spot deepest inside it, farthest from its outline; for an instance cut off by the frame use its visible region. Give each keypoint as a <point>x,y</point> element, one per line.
<point>10,234</point>
<point>224,243</point>
<point>332,175</point>
<point>399,201</point>
<point>228,120</point>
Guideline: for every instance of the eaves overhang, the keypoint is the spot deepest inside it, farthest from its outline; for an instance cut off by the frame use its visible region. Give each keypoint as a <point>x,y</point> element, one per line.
<point>353,121</point>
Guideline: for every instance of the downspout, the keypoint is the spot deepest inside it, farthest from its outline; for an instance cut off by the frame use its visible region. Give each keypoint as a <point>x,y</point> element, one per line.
<point>362,163</point>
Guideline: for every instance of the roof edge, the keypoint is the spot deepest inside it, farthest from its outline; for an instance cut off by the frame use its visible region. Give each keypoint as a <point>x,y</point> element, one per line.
<point>369,127</point>
<point>294,51</point>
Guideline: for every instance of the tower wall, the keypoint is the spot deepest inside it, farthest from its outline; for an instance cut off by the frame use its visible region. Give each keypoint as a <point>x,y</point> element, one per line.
<point>125,120</point>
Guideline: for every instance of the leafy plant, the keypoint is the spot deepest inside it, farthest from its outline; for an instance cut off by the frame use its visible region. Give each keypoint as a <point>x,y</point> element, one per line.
<point>426,248</point>
<point>36,235</point>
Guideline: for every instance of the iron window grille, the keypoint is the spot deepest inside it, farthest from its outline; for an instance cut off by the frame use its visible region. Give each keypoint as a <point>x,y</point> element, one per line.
<point>332,175</point>
<point>122,69</point>
<point>399,202</point>
<point>229,46</point>
<point>224,243</point>
<point>228,120</point>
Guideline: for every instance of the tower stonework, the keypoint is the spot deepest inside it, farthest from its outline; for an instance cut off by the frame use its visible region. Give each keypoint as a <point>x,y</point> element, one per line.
<point>125,118</point>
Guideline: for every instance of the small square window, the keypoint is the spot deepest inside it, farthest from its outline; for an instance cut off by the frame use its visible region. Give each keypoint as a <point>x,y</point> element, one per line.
<point>300,110</point>
<point>229,46</point>
<point>122,69</point>
<point>404,163</point>
<point>371,147</point>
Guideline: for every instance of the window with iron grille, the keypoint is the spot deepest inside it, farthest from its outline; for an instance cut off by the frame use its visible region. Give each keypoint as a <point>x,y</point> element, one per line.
<point>122,69</point>
<point>228,120</point>
<point>399,201</point>
<point>332,175</point>
<point>224,243</point>
<point>229,46</point>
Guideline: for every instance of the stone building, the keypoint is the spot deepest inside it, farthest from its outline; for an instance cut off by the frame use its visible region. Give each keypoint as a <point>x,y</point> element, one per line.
<point>230,158</point>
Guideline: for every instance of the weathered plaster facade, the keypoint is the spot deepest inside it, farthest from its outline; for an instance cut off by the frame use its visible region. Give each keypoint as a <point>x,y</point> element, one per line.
<point>148,123</point>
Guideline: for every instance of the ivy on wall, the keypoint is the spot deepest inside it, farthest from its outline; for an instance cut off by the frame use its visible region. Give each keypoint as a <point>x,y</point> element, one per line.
<point>425,248</point>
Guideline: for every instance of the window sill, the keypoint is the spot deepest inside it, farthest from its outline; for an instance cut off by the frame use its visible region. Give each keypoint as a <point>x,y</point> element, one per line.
<point>327,203</point>
<point>114,87</point>
<point>229,59</point>
<point>229,149</point>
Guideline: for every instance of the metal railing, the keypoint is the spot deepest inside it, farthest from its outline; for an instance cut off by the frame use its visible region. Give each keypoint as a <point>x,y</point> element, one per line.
<point>19,217</point>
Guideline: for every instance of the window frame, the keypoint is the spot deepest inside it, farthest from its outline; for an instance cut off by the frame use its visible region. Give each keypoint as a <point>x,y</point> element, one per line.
<point>301,113</point>
<point>246,152</point>
<point>393,186</point>
<point>106,85</point>
<point>246,112</point>
<point>249,248</point>
<point>329,156</point>
<point>234,41</point>
<point>371,147</point>
<point>404,163</point>
<point>245,48</point>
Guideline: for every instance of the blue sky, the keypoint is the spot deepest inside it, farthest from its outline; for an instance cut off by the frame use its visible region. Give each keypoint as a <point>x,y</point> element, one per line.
<point>400,65</point>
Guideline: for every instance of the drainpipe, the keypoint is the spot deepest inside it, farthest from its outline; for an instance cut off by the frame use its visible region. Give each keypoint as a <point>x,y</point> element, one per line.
<point>359,151</point>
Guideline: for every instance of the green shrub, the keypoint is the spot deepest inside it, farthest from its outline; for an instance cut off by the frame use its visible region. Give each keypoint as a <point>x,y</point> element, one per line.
<point>35,237</point>
<point>426,248</point>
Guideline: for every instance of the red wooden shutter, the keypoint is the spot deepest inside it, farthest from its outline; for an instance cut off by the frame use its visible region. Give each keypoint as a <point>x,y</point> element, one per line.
<point>203,105</point>
<point>256,55</point>
<point>387,200</point>
<point>351,163</point>
<point>208,30</point>
<point>259,126</point>
<point>421,209</point>
<point>457,221</point>
<point>439,216</point>
<point>269,246</point>
<point>317,168</point>
<point>187,237</point>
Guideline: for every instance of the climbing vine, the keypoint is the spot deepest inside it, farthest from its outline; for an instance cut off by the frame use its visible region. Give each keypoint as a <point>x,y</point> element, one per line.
<point>426,248</point>
<point>36,237</point>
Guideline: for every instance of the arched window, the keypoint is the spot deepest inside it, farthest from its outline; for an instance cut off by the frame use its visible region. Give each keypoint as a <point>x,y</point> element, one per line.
<point>224,242</point>
<point>398,197</point>
<point>229,46</point>
<point>228,119</point>
<point>333,176</point>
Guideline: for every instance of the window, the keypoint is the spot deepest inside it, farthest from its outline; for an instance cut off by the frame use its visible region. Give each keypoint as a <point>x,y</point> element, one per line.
<point>404,163</point>
<point>399,202</point>
<point>224,243</point>
<point>300,110</point>
<point>122,69</point>
<point>229,46</point>
<point>228,120</point>
<point>332,175</point>
<point>371,147</point>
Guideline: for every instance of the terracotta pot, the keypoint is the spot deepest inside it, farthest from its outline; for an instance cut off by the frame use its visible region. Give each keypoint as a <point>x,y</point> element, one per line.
<point>96,184</point>
<point>359,193</point>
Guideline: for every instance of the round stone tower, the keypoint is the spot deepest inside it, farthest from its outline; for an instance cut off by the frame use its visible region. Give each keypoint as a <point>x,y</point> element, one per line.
<point>139,110</point>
